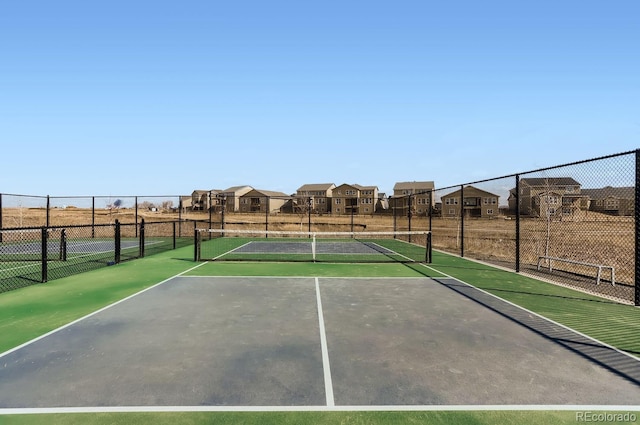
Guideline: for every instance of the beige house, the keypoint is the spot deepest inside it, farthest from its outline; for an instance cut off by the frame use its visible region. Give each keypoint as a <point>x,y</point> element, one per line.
<point>315,196</point>
<point>262,201</point>
<point>611,200</point>
<point>412,196</point>
<point>354,199</point>
<point>202,200</point>
<point>230,198</point>
<point>548,197</point>
<point>476,203</point>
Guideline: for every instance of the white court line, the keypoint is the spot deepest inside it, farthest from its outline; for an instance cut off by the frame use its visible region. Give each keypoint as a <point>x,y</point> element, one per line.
<point>95,312</point>
<point>328,384</point>
<point>382,408</point>
<point>604,344</point>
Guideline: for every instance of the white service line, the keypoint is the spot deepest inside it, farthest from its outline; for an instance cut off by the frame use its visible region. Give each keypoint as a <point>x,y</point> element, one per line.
<point>328,384</point>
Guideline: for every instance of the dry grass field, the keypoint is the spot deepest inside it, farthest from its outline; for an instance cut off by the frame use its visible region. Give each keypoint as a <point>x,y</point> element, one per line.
<point>589,237</point>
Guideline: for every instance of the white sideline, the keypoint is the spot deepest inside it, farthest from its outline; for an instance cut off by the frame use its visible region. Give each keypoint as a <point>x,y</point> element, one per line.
<point>383,408</point>
<point>328,383</point>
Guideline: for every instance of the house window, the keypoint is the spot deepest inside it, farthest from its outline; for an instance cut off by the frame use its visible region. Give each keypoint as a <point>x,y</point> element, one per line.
<point>366,210</point>
<point>338,201</point>
<point>337,210</point>
<point>452,211</point>
<point>490,211</point>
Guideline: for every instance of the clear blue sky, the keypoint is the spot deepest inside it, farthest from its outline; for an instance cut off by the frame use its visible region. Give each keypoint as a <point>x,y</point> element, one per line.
<point>157,97</point>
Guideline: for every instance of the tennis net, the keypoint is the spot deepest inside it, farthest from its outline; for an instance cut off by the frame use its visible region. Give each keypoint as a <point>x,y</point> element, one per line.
<point>333,247</point>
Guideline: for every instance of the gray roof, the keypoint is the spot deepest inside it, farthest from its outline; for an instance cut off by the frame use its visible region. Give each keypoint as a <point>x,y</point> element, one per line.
<point>426,185</point>
<point>551,181</point>
<point>357,186</point>
<point>316,186</point>
<point>610,192</point>
<point>269,193</point>
<point>469,187</point>
<point>235,189</point>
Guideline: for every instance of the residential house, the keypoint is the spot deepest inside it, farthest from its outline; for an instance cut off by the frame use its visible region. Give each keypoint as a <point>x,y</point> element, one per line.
<point>412,196</point>
<point>230,198</point>
<point>475,203</point>
<point>262,201</point>
<point>199,200</point>
<point>315,196</point>
<point>549,196</point>
<point>612,200</point>
<point>354,199</point>
<point>186,203</point>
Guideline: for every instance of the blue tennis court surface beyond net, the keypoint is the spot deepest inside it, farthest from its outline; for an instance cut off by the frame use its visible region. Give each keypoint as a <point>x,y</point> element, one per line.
<point>352,247</point>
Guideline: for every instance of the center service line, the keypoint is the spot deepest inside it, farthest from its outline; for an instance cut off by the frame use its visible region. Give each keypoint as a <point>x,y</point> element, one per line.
<point>328,384</point>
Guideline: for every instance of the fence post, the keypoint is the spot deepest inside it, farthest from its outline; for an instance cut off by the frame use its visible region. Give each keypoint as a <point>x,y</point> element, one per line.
<point>0,216</point>
<point>93,217</point>
<point>267,201</point>
<point>517,223</point>
<point>462,220</point>
<point>430,209</point>
<point>210,211</point>
<point>48,208</point>
<point>196,243</point>
<point>141,241</point>
<point>309,209</point>
<point>136,219</point>
<point>116,258</point>
<point>63,245</point>
<point>409,216</point>
<point>637,231</point>
<point>174,235</point>
<point>44,237</point>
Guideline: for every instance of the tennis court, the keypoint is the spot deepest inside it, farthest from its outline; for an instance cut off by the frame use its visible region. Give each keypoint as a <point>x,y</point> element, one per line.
<point>202,339</point>
<point>246,335</point>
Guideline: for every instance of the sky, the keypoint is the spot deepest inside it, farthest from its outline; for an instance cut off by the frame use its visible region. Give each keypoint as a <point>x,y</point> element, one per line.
<point>157,97</point>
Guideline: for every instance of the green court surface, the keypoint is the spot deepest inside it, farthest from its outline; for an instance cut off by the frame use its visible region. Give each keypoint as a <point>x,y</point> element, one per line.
<point>33,311</point>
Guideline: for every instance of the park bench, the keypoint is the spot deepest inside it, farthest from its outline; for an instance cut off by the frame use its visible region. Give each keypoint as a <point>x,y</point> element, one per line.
<point>599,267</point>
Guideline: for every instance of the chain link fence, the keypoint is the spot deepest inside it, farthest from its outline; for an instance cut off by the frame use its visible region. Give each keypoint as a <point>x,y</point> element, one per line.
<point>37,255</point>
<point>572,224</point>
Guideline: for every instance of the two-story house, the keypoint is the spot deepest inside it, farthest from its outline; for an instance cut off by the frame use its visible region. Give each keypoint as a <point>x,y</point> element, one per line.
<point>612,200</point>
<point>316,197</point>
<point>354,199</point>
<point>262,201</point>
<point>548,197</point>
<point>474,202</point>
<point>416,197</point>
<point>202,200</point>
<point>230,198</point>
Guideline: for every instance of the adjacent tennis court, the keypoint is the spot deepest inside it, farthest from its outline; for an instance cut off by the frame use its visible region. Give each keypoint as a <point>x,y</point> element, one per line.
<point>321,336</point>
